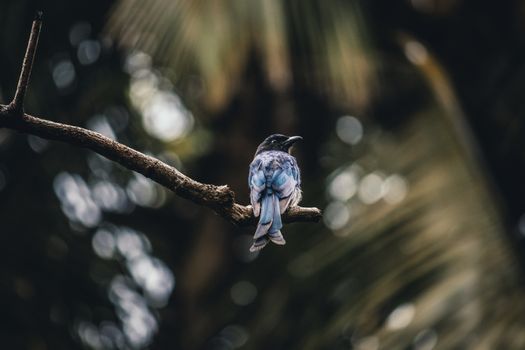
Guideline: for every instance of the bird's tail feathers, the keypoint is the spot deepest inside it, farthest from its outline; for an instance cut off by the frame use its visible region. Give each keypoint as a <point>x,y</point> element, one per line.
<point>266,218</point>
<point>262,230</point>
<point>277,238</point>
<point>270,221</point>
<point>277,224</point>
<point>259,243</point>
<point>270,224</point>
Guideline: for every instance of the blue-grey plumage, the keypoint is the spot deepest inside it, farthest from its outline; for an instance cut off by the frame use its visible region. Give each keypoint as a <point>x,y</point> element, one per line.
<point>275,185</point>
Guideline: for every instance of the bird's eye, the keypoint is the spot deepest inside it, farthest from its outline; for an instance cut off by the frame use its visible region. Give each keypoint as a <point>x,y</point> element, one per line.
<point>273,141</point>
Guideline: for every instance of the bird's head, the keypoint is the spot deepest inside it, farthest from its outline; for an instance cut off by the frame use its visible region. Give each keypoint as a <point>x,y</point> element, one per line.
<point>278,142</point>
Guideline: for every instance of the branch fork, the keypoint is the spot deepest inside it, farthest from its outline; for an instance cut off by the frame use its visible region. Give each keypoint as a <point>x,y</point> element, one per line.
<point>220,199</point>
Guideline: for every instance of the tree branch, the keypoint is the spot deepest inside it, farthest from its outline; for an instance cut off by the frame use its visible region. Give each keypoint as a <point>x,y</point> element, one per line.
<point>17,103</point>
<point>221,199</point>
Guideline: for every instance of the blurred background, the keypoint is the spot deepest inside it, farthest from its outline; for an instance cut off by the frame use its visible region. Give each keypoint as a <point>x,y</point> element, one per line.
<point>411,113</point>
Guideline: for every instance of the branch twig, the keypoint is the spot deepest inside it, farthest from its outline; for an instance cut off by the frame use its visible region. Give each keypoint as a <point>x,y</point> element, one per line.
<point>221,199</point>
<point>17,103</point>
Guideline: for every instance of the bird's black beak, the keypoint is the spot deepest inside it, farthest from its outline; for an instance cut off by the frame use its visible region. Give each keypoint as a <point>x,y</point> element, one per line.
<point>291,140</point>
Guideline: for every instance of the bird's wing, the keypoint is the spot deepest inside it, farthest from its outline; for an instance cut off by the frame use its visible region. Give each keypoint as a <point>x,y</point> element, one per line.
<point>257,183</point>
<point>285,183</point>
<point>296,173</point>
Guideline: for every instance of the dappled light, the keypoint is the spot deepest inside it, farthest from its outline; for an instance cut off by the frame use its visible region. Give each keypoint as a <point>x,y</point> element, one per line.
<point>164,115</point>
<point>371,188</point>
<point>344,185</point>
<point>231,337</point>
<point>337,215</point>
<point>349,130</point>
<point>100,124</point>
<point>149,282</point>
<point>148,286</point>
<point>88,52</point>
<point>401,317</point>
<point>77,203</point>
<point>138,323</point>
<point>37,144</point>
<point>144,192</point>
<point>64,74</point>
<point>110,197</point>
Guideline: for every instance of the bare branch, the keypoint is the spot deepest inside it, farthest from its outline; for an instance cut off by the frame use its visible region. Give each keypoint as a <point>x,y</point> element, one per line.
<point>221,199</point>
<point>18,101</point>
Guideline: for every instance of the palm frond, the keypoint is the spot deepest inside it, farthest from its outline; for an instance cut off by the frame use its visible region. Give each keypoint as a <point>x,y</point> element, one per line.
<point>327,44</point>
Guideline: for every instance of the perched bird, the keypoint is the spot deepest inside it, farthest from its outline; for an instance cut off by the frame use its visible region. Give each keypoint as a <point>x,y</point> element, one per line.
<point>275,185</point>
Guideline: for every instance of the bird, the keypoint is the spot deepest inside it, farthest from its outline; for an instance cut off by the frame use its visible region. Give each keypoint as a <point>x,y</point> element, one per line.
<point>275,185</point>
